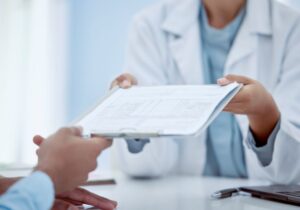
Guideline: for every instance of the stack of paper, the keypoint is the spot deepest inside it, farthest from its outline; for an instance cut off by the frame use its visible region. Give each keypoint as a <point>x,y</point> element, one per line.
<point>141,112</point>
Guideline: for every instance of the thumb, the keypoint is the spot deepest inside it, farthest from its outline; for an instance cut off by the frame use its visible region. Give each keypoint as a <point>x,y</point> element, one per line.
<point>124,81</point>
<point>100,143</point>
<point>239,79</point>
<point>38,140</point>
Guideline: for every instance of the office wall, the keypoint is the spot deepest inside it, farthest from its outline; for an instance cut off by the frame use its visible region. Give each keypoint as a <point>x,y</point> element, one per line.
<point>98,36</point>
<point>32,75</point>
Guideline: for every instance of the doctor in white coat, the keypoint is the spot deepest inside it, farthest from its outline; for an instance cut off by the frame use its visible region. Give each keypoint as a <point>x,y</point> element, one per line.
<point>254,42</point>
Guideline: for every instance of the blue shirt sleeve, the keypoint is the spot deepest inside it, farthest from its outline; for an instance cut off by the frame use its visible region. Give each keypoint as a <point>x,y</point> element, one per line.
<point>35,192</point>
<point>264,153</point>
<point>136,145</point>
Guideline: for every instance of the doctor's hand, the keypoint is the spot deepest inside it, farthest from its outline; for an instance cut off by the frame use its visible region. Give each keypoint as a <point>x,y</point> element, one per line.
<point>257,103</point>
<point>124,81</point>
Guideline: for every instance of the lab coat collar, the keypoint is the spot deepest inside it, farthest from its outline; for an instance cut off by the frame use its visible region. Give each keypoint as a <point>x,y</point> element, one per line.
<point>261,22</point>
<point>257,22</point>
<point>181,14</point>
<point>185,46</point>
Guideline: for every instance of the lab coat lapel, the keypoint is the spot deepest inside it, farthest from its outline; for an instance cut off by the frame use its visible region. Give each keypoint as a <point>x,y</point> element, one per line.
<point>242,59</point>
<point>186,51</point>
<point>242,54</point>
<point>184,39</point>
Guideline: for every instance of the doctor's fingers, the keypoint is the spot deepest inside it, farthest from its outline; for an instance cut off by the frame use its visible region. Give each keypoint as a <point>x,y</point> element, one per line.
<point>246,94</point>
<point>239,79</point>
<point>38,140</point>
<point>228,79</point>
<point>236,108</point>
<point>124,81</point>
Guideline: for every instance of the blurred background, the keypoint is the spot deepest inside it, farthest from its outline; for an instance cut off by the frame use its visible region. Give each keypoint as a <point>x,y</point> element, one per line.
<point>57,58</point>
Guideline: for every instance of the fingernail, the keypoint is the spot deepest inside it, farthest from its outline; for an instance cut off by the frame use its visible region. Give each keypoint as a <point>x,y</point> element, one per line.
<point>223,81</point>
<point>125,83</point>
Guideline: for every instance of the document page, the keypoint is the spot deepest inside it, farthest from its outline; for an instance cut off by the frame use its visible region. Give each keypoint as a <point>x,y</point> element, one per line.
<point>159,110</point>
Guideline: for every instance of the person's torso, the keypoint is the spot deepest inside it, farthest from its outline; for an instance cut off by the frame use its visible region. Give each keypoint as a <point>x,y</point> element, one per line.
<point>256,55</point>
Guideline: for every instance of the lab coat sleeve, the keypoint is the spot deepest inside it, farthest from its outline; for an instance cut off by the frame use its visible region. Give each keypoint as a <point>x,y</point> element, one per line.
<point>144,61</point>
<point>285,167</point>
<point>264,153</point>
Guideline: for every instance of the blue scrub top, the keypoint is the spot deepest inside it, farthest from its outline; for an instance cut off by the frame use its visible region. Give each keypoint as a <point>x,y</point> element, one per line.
<point>225,151</point>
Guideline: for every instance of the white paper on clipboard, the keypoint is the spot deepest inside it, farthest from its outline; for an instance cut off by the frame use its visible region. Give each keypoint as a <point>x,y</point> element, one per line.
<point>141,112</point>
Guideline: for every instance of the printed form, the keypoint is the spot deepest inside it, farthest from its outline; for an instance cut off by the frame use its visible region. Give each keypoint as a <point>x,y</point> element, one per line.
<point>157,111</point>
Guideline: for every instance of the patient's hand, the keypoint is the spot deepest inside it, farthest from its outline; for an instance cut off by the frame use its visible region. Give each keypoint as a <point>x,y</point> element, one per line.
<point>68,200</point>
<point>68,158</point>
<point>124,81</point>
<point>78,197</point>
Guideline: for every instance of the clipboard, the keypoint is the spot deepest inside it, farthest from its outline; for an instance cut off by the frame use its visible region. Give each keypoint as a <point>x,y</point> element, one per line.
<point>131,122</point>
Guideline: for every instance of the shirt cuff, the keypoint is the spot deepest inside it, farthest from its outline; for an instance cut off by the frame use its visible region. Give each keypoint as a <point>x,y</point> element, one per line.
<point>33,192</point>
<point>264,153</point>
<point>136,145</point>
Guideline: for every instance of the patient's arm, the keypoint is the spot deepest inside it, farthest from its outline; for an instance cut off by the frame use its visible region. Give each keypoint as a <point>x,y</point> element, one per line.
<point>69,199</point>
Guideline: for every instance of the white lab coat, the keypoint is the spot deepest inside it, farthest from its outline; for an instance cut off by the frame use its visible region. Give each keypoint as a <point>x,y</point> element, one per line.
<point>165,48</point>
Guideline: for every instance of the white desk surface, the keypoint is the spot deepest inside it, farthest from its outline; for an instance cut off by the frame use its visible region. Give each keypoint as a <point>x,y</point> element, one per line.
<point>182,193</point>
<point>176,193</point>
